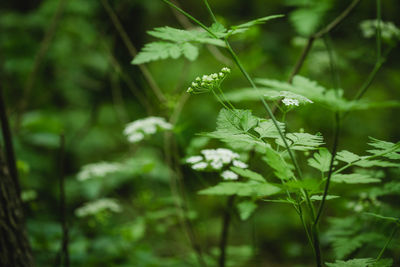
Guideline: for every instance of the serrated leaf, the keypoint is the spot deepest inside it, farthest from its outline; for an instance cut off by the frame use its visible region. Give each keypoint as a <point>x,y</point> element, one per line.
<point>321,160</point>
<point>245,26</point>
<point>330,99</point>
<point>386,218</point>
<point>218,29</point>
<point>246,208</point>
<point>302,141</point>
<point>354,178</point>
<point>249,174</point>
<point>190,51</point>
<point>385,149</point>
<point>245,189</point>
<point>232,127</point>
<point>347,156</point>
<point>278,164</point>
<point>267,129</point>
<point>156,51</point>
<point>184,36</point>
<point>352,263</point>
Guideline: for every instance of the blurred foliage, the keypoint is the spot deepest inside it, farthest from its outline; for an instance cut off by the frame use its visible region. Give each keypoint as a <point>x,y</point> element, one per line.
<point>64,69</point>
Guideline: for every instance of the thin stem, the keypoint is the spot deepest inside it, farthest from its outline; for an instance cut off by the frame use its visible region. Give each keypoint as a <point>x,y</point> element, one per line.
<point>225,230</point>
<point>63,216</point>
<point>210,11</point>
<point>387,243</point>
<point>191,17</point>
<point>8,143</point>
<point>330,172</point>
<point>133,51</point>
<point>40,55</point>
<point>318,35</point>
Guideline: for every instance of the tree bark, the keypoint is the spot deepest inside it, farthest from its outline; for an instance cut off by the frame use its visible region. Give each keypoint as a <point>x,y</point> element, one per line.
<point>15,250</point>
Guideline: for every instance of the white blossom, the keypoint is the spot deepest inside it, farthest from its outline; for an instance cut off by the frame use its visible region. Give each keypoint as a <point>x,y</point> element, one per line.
<point>229,175</point>
<point>290,101</point>
<point>100,169</point>
<point>91,208</point>
<point>194,159</point>
<point>200,166</point>
<point>137,130</point>
<point>239,164</point>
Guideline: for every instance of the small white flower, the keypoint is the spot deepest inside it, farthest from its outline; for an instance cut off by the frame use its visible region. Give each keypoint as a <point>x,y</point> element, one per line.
<point>100,169</point>
<point>200,166</point>
<point>239,164</point>
<point>229,175</point>
<point>136,130</point>
<point>91,208</point>
<point>217,164</point>
<point>290,102</point>
<point>194,159</point>
<point>135,137</point>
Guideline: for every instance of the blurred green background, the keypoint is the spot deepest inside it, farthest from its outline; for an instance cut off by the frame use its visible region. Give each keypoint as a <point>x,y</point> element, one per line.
<point>65,69</point>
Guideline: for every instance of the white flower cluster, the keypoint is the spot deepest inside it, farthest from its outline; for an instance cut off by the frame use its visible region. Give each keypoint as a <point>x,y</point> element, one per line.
<point>100,169</point>
<point>94,207</point>
<point>208,82</point>
<point>216,159</point>
<point>292,99</point>
<point>137,130</point>
<point>229,175</point>
<point>364,202</point>
<point>389,31</point>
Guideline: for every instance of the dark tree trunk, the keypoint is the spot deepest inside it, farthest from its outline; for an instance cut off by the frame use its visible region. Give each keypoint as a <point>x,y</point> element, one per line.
<point>14,245</point>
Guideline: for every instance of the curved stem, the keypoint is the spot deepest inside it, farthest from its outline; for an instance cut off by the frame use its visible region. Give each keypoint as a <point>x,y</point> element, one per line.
<point>387,243</point>
<point>318,35</point>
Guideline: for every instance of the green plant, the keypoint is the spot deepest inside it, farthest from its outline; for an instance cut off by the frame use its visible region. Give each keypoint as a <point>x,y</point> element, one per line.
<point>290,182</point>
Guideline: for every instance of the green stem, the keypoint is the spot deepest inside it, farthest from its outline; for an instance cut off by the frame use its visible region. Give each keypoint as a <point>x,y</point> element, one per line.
<point>387,243</point>
<point>191,17</point>
<point>210,11</point>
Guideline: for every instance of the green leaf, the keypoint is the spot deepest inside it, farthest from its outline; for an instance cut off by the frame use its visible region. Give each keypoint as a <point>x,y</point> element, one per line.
<point>232,127</point>
<point>352,263</point>
<point>236,121</point>
<point>347,156</point>
<point>368,262</point>
<point>267,129</point>
<point>184,36</point>
<point>302,141</point>
<point>249,174</point>
<point>190,51</point>
<point>354,178</point>
<point>386,218</point>
<point>307,184</point>
<point>245,26</point>
<point>330,99</point>
<point>218,29</point>
<point>245,189</point>
<point>247,94</point>
<point>275,161</point>
<point>385,149</point>
<point>246,208</point>
<point>156,51</point>
<point>321,160</point>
